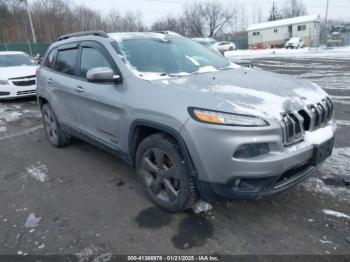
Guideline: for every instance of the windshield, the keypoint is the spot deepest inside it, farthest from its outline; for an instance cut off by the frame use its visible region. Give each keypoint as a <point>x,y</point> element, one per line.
<point>170,56</point>
<point>16,60</point>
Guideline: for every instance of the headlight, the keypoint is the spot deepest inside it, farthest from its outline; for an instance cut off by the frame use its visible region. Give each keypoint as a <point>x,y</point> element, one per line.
<point>4,82</point>
<point>222,118</point>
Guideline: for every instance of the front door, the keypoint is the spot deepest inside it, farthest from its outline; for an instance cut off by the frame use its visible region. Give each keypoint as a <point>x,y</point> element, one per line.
<point>63,82</point>
<point>101,107</point>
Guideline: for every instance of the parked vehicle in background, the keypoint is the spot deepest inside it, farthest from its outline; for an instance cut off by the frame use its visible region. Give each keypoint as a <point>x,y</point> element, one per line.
<point>191,122</point>
<point>259,47</point>
<point>17,75</point>
<point>225,46</point>
<point>209,43</point>
<point>295,43</point>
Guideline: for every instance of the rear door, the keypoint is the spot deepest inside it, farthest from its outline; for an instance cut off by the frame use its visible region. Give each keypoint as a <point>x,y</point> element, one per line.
<point>101,111</point>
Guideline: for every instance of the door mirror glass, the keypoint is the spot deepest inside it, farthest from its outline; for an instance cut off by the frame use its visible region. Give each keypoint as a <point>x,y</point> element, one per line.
<point>102,74</point>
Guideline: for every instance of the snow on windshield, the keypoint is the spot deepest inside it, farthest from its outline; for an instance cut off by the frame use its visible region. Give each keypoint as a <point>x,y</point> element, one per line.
<point>164,56</point>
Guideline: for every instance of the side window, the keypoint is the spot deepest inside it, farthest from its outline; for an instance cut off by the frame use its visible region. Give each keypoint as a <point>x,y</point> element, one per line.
<point>65,62</point>
<point>91,58</point>
<point>50,60</point>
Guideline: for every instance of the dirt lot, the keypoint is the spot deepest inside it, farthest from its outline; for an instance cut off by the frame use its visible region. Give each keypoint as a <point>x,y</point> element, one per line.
<point>91,204</point>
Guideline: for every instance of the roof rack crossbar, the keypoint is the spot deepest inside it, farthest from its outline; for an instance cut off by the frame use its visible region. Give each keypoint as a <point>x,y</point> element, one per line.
<point>94,32</point>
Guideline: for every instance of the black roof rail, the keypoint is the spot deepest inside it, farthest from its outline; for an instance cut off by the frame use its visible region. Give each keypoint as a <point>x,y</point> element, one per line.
<point>94,32</point>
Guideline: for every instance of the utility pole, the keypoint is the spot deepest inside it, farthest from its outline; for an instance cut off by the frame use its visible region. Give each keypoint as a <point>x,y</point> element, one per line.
<point>30,22</point>
<point>326,23</point>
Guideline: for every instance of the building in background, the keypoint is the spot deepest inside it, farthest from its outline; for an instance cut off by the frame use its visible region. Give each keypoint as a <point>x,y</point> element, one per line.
<point>277,33</point>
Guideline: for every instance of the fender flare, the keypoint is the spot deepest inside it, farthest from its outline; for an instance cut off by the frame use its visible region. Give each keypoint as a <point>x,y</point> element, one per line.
<point>168,130</point>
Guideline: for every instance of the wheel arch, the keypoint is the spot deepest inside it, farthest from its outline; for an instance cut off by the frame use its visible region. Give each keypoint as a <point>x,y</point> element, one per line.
<point>42,101</point>
<point>140,129</point>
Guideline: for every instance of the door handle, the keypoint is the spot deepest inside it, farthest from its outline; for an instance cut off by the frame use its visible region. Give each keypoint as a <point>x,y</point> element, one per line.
<point>50,81</point>
<point>79,89</point>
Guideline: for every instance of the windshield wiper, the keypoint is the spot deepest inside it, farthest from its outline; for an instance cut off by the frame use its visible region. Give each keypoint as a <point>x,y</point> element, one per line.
<point>175,75</point>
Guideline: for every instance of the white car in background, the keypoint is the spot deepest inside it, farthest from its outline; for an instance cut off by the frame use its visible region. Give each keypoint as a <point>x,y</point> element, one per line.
<point>225,46</point>
<point>295,43</point>
<point>207,42</point>
<point>17,75</point>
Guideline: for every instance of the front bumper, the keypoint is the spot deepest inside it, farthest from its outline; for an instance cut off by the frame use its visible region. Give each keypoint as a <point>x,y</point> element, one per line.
<point>12,91</point>
<point>252,188</point>
<point>212,148</point>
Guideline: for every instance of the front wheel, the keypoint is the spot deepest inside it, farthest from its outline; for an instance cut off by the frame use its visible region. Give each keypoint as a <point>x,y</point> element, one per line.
<point>162,171</point>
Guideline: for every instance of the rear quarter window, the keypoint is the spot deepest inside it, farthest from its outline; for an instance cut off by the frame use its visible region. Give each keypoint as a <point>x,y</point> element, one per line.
<point>51,59</point>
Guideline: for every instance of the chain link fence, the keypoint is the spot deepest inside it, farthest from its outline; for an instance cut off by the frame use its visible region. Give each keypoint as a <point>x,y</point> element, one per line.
<point>29,48</point>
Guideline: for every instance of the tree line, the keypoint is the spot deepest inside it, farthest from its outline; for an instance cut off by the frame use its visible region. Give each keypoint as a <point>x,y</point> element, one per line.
<point>52,18</point>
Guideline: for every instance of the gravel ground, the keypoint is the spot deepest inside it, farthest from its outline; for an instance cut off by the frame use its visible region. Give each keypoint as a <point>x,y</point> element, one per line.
<point>81,200</point>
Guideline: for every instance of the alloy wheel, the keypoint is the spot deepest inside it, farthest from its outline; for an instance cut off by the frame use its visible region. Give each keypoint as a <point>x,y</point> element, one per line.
<point>50,125</point>
<point>160,174</point>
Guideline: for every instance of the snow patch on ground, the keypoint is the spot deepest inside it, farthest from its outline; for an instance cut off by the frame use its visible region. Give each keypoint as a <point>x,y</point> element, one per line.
<point>317,185</point>
<point>341,99</point>
<point>338,53</point>
<point>12,113</point>
<point>32,221</point>
<point>38,171</point>
<point>342,123</point>
<point>9,114</point>
<point>338,164</point>
<point>201,207</point>
<point>93,254</point>
<point>335,214</point>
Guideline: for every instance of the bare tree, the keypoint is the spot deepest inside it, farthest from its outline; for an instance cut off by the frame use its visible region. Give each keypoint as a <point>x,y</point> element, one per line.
<point>52,18</point>
<point>294,8</point>
<point>129,22</point>
<point>215,16</point>
<point>275,13</point>
<point>193,20</point>
<point>257,15</point>
<point>170,23</point>
<point>199,19</point>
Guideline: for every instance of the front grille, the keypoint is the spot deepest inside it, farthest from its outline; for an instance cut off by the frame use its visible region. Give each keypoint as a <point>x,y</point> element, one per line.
<point>4,93</point>
<point>24,83</point>
<point>311,118</point>
<point>28,92</point>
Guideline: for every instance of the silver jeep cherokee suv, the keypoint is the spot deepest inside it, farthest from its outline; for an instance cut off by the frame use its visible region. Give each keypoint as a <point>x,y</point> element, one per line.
<point>191,122</point>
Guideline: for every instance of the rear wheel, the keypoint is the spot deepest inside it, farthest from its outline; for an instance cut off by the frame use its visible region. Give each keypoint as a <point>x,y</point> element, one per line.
<point>53,130</point>
<point>163,173</point>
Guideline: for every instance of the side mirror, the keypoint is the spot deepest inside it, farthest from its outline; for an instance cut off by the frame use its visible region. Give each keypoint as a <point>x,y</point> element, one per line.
<point>102,74</point>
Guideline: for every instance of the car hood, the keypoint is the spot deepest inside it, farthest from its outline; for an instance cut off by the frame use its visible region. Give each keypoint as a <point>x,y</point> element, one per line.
<point>248,91</point>
<point>17,71</point>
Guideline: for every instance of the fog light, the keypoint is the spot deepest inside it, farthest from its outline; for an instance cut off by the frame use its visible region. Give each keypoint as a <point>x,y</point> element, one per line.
<point>252,150</point>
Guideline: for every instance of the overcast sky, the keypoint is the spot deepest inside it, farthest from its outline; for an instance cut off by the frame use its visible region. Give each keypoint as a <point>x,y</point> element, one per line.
<point>153,9</point>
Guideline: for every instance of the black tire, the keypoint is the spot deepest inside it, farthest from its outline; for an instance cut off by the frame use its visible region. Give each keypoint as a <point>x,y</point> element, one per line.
<point>231,48</point>
<point>162,171</point>
<point>53,131</point>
